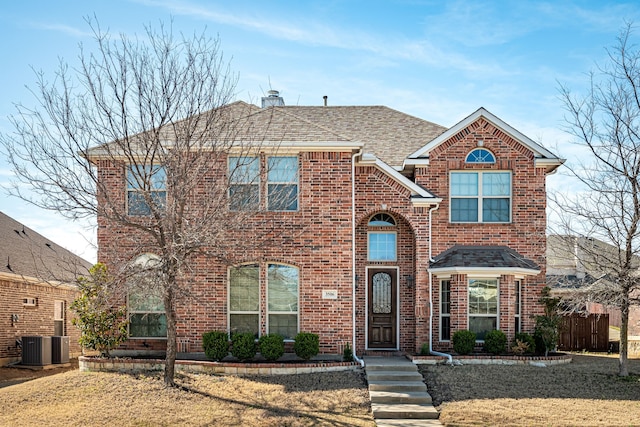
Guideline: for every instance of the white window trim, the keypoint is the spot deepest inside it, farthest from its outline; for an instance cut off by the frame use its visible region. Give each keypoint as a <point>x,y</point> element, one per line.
<point>297,312</point>
<point>480,197</point>
<point>445,314</point>
<point>518,314</point>
<point>297,184</point>
<point>369,233</point>
<point>131,312</point>
<point>229,311</point>
<point>469,314</point>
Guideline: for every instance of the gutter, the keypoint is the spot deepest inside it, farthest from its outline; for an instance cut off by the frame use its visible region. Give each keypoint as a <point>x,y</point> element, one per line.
<point>431,350</point>
<point>353,255</point>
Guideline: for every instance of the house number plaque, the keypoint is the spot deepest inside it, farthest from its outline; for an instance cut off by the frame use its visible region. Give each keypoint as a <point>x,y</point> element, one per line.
<point>329,294</point>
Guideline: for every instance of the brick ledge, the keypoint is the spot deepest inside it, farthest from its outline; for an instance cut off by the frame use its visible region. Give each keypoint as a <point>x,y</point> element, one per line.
<point>494,360</point>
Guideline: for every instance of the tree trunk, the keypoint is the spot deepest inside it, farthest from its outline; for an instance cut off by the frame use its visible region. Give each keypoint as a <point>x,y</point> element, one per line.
<point>170,359</point>
<point>624,344</point>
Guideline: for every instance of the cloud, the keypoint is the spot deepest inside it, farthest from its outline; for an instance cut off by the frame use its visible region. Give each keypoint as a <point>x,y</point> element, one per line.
<point>61,28</point>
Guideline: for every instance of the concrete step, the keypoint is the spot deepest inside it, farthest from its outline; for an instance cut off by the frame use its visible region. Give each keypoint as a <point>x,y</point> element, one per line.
<point>415,397</point>
<point>403,411</point>
<point>397,386</point>
<point>406,376</point>
<point>409,423</point>
<point>372,366</point>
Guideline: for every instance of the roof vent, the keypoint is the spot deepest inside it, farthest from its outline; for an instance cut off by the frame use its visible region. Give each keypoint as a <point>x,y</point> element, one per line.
<point>272,100</point>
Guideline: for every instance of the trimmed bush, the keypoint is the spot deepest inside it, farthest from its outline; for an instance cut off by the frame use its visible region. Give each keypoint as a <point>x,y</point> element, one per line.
<point>463,341</point>
<point>306,345</point>
<point>215,344</point>
<point>523,343</point>
<point>347,354</point>
<point>424,350</point>
<point>495,342</point>
<point>243,346</point>
<point>271,346</point>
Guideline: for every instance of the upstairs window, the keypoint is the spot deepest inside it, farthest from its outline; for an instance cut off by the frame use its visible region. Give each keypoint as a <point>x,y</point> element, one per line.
<point>282,186</point>
<point>146,189</point>
<point>480,155</point>
<point>244,185</point>
<point>480,197</point>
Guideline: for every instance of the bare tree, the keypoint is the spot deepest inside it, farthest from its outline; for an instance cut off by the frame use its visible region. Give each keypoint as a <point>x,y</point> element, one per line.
<point>143,136</point>
<point>606,123</point>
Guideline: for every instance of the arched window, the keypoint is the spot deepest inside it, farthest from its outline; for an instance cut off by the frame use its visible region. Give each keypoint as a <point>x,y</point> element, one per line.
<point>147,316</point>
<point>382,243</point>
<point>480,155</point>
<point>382,220</point>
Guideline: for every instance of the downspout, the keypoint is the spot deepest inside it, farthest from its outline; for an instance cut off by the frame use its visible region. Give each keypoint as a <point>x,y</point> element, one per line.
<point>353,255</point>
<point>431,350</point>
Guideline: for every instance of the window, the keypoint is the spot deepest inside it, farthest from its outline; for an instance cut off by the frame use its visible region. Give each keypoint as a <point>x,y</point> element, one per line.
<point>518,322</point>
<point>483,306</point>
<point>147,318</point>
<point>445,310</point>
<point>282,300</point>
<point>282,186</point>
<point>244,299</point>
<point>480,155</point>
<point>382,244</point>
<point>58,318</point>
<point>480,196</point>
<point>146,188</point>
<point>244,187</point>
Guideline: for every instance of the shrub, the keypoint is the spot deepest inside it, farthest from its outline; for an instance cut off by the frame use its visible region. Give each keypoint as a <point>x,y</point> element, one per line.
<point>523,343</point>
<point>306,345</point>
<point>495,342</point>
<point>215,344</point>
<point>271,346</point>
<point>463,341</point>
<point>424,350</point>
<point>243,346</point>
<point>347,354</point>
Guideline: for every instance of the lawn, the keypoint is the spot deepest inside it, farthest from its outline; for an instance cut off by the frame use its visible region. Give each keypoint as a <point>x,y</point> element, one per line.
<point>89,398</point>
<point>586,392</point>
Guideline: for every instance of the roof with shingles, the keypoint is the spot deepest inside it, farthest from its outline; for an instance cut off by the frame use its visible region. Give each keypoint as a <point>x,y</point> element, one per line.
<point>482,257</point>
<point>27,253</point>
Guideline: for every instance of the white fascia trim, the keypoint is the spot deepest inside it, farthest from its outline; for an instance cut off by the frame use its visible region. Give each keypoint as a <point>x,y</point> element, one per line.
<point>482,112</point>
<point>483,272</point>
<point>416,162</point>
<point>551,165</point>
<point>370,159</point>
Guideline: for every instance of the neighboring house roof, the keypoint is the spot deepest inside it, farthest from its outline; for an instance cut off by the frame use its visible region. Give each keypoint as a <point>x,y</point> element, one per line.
<point>464,259</point>
<point>28,255</point>
<point>543,157</point>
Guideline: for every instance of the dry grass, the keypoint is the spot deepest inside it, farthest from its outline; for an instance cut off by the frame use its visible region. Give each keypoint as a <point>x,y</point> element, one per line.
<point>586,392</point>
<point>79,399</point>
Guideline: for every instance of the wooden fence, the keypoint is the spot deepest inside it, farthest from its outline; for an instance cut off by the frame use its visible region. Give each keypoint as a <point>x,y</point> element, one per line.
<point>590,333</point>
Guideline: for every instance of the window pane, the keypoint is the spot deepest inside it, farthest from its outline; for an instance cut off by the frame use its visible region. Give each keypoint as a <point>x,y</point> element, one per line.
<point>282,288</point>
<point>481,325</point>
<point>495,210</point>
<point>283,197</point>
<point>244,288</point>
<point>140,301</point>
<point>244,197</point>
<point>445,329</point>
<point>146,177</point>
<point>483,296</point>
<point>480,155</point>
<point>239,323</point>
<point>382,246</point>
<point>244,170</point>
<point>496,184</point>
<point>284,324</point>
<point>148,325</point>
<point>445,297</point>
<point>464,184</point>
<point>282,169</point>
<point>464,210</point>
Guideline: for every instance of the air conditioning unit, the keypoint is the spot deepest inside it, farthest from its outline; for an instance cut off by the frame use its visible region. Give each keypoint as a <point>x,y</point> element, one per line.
<point>59,349</point>
<point>36,351</point>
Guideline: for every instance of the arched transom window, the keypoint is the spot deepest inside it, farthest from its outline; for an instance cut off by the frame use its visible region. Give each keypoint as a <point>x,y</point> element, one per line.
<point>480,155</point>
<point>382,220</point>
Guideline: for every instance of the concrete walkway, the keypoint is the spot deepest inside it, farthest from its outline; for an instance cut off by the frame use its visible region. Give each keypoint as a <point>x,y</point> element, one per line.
<point>398,393</point>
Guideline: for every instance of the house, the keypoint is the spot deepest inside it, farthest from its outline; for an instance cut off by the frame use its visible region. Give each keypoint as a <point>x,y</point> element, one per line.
<point>579,264</point>
<point>37,285</point>
<point>405,232</point>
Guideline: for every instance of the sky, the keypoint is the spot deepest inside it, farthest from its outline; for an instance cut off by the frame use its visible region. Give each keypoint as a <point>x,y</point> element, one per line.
<point>437,60</point>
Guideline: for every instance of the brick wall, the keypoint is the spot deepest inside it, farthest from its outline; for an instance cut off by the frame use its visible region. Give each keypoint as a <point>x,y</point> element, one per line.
<point>37,320</point>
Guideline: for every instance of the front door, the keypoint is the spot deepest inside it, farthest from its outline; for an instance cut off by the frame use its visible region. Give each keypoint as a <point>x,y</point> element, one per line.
<point>382,308</point>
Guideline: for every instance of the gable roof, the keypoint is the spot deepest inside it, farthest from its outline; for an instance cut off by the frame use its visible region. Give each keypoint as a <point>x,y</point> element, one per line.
<point>478,259</point>
<point>28,255</point>
<point>542,156</point>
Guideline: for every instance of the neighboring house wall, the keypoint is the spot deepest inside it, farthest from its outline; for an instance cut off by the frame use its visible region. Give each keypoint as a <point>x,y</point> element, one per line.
<point>525,233</point>
<point>20,320</point>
